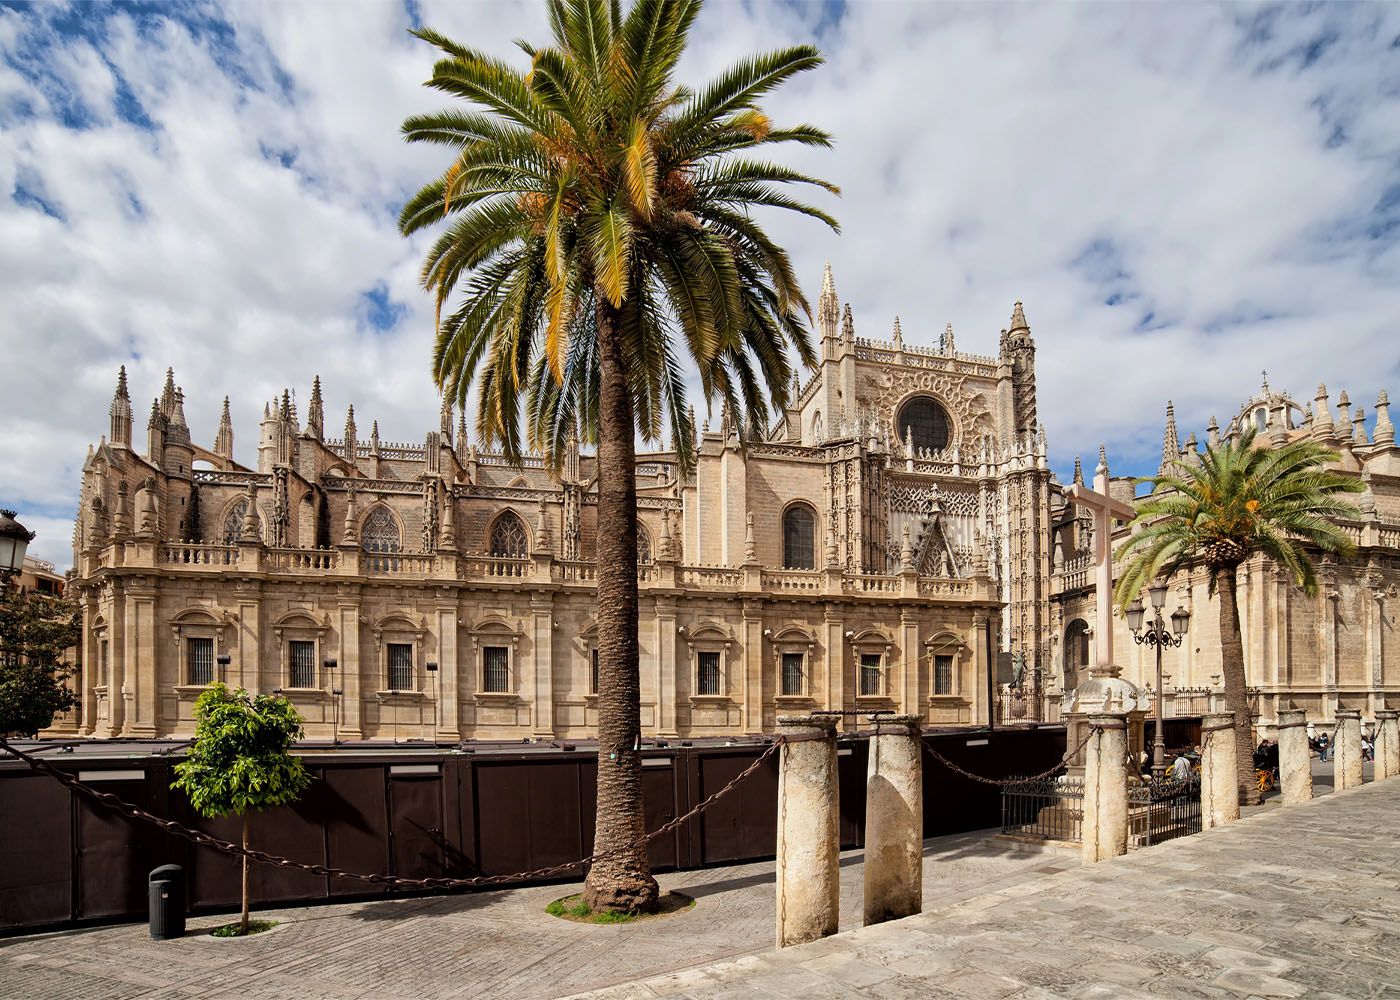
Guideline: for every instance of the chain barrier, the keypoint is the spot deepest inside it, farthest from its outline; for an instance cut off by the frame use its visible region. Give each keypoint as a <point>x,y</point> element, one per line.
<point>1005,782</point>
<point>203,839</point>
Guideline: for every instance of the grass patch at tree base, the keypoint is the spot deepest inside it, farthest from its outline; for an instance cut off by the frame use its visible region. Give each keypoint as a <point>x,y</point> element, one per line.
<point>575,909</point>
<point>235,929</point>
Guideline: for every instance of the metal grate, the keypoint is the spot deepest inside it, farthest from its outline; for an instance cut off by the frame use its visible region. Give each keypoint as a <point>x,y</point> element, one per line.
<point>1163,810</point>
<point>400,666</point>
<point>201,660</point>
<point>1045,808</point>
<point>301,655</point>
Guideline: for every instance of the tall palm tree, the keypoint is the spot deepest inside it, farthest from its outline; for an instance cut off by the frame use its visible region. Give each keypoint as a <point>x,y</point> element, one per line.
<point>598,233</point>
<point>1243,499</point>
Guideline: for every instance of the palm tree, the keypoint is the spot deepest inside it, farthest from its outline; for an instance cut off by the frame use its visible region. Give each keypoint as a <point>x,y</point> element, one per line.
<point>1242,500</point>
<point>599,232</point>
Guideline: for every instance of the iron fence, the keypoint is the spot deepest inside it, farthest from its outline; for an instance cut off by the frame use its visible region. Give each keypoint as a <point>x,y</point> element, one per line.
<point>1163,810</point>
<point>1044,808</point>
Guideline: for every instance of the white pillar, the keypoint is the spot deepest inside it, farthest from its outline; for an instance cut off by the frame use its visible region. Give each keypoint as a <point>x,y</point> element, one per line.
<point>1220,790</point>
<point>809,831</point>
<point>894,820</point>
<point>1347,758</point>
<point>1294,757</point>
<point>1387,745</point>
<point>1105,826</point>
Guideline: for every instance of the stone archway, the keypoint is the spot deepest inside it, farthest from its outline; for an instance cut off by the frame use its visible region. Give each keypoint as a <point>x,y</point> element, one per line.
<point>1076,654</point>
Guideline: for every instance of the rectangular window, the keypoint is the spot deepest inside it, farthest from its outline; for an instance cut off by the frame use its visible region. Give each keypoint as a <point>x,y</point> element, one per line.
<point>400,666</point>
<point>869,673</point>
<point>709,673</point>
<point>593,679</point>
<point>301,656</point>
<point>792,673</point>
<point>496,661</point>
<point>102,663</point>
<point>200,653</point>
<point>942,674</point>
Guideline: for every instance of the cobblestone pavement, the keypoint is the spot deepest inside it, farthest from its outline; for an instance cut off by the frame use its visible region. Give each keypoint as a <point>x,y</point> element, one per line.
<point>1288,902</point>
<point>499,944</point>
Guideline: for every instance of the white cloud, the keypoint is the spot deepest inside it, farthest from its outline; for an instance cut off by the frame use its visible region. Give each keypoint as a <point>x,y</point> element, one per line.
<point>1218,170</point>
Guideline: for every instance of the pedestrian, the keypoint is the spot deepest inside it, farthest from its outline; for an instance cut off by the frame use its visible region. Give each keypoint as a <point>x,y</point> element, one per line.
<point>1181,769</point>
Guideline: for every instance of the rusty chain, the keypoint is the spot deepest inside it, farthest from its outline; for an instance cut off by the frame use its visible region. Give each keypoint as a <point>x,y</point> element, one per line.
<point>1004,782</point>
<point>203,839</point>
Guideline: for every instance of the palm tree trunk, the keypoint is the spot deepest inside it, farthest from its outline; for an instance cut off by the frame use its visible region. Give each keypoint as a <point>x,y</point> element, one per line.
<point>1236,695</point>
<point>623,881</point>
<point>244,918</point>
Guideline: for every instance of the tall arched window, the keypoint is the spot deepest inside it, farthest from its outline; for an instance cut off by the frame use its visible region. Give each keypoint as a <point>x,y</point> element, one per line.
<point>1076,653</point>
<point>233,523</point>
<point>508,538</point>
<point>924,423</point>
<point>380,534</point>
<point>644,551</point>
<point>799,537</point>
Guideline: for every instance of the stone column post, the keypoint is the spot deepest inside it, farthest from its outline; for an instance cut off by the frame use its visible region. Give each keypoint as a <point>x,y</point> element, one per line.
<point>1220,790</point>
<point>1387,743</point>
<point>1105,826</point>
<point>1294,758</point>
<point>1347,759</point>
<point>894,820</point>
<point>809,831</point>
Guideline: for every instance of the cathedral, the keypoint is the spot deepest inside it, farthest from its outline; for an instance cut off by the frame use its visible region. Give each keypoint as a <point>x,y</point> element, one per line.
<point>895,542</point>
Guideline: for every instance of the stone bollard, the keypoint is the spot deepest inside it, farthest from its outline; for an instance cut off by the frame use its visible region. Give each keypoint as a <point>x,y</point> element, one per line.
<point>1387,743</point>
<point>1294,757</point>
<point>1220,785</point>
<point>1347,758</point>
<point>894,820</point>
<point>1105,826</point>
<point>809,831</point>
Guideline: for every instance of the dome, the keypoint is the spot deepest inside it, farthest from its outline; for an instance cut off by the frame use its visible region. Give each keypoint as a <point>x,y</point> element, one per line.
<point>1105,691</point>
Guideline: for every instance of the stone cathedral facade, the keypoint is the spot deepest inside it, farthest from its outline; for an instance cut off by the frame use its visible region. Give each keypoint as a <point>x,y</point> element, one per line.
<point>885,542</point>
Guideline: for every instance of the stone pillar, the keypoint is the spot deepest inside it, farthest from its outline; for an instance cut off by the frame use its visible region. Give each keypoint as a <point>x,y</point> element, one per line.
<point>141,675</point>
<point>1105,827</point>
<point>809,831</point>
<point>449,669</point>
<point>1347,759</point>
<point>348,612</point>
<point>542,649</point>
<point>1220,789</point>
<point>1386,744</point>
<point>1294,758</point>
<point>894,820</point>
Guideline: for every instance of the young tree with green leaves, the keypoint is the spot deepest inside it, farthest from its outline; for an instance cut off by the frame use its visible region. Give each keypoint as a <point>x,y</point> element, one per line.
<point>36,633</point>
<point>239,763</point>
<point>1243,499</point>
<point>598,233</point>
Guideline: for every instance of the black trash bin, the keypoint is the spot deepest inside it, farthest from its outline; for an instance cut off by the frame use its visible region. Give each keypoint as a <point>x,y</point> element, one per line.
<point>167,899</point>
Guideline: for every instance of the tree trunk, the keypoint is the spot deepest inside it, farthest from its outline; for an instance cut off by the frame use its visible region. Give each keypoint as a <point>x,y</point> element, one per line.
<point>623,881</point>
<point>244,918</point>
<point>1236,695</point>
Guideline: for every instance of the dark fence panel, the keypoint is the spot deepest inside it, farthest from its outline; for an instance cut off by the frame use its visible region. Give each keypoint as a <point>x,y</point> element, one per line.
<point>492,813</point>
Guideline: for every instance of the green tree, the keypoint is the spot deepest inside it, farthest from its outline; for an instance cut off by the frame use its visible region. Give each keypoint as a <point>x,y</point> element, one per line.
<point>599,232</point>
<point>239,763</point>
<point>36,633</point>
<point>1244,499</point>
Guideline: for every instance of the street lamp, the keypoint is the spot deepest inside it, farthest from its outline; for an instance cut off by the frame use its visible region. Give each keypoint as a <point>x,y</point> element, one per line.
<point>330,665</point>
<point>432,669</point>
<point>14,540</point>
<point>1158,635</point>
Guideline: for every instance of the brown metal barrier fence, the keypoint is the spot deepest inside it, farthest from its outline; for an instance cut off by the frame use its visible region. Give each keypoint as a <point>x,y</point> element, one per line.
<point>422,820</point>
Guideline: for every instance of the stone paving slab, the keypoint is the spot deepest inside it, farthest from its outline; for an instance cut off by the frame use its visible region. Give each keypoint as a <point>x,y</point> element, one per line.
<point>1302,901</point>
<point>499,944</point>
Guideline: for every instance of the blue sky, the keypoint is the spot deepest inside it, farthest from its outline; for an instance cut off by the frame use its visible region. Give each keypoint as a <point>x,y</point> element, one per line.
<point>1182,195</point>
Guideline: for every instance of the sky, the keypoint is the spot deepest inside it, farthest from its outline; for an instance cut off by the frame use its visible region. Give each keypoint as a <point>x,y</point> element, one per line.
<point>1182,195</point>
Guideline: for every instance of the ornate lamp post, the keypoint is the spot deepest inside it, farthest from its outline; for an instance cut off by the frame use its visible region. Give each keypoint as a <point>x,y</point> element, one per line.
<point>1157,635</point>
<point>14,540</point>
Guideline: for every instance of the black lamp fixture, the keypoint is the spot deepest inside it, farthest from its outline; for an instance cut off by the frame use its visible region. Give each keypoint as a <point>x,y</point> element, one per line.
<point>14,542</point>
<point>1156,634</point>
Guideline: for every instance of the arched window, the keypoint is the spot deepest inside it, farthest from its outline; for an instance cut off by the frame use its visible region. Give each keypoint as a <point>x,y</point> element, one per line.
<point>1261,418</point>
<point>1076,653</point>
<point>233,523</point>
<point>644,550</point>
<point>799,537</point>
<point>508,538</point>
<point>924,423</point>
<point>380,534</point>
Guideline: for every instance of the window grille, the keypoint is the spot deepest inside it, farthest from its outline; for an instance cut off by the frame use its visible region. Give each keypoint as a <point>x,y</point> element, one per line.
<point>400,666</point>
<point>943,674</point>
<point>709,673</point>
<point>799,538</point>
<point>102,662</point>
<point>792,673</point>
<point>925,424</point>
<point>200,653</point>
<point>869,673</point>
<point>496,661</point>
<point>508,540</point>
<point>233,523</point>
<point>593,683</point>
<point>301,656</point>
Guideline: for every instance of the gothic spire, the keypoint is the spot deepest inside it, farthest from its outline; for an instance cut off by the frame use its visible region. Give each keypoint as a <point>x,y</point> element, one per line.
<point>898,336</point>
<point>1171,447</point>
<point>1018,320</point>
<point>945,345</point>
<point>223,440</point>
<point>167,396</point>
<point>1078,472</point>
<point>315,418</point>
<point>1213,433</point>
<point>121,412</point>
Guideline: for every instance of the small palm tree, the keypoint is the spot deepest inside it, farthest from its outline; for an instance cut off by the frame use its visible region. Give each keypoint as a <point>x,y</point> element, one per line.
<point>1242,500</point>
<point>599,229</point>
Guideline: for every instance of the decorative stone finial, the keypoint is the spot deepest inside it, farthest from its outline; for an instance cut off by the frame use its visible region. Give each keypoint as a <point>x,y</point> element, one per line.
<point>898,336</point>
<point>1213,433</point>
<point>1078,479</point>
<point>223,440</point>
<point>1018,319</point>
<point>750,546</point>
<point>349,535</point>
<point>832,559</point>
<point>167,395</point>
<point>315,417</point>
<point>1385,430</point>
<point>1171,447</point>
<point>906,552</point>
<point>1358,426</point>
<point>848,325</point>
<point>1344,417</point>
<point>1102,468</point>
<point>252,522</point>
